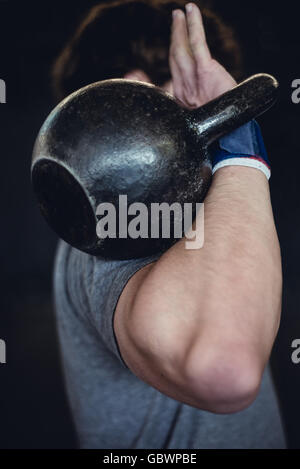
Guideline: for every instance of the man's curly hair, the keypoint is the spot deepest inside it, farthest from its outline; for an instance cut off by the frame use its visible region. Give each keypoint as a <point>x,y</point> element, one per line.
<point>117,37</point>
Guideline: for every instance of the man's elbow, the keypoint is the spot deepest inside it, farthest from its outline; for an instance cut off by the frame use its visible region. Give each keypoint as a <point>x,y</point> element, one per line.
<point>225,381</point>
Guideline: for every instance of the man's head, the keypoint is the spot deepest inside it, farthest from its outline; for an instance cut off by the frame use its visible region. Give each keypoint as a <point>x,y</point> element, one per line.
<point>131,39</point>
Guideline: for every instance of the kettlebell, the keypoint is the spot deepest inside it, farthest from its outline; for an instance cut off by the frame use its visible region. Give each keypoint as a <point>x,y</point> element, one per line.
<point>124,137</point>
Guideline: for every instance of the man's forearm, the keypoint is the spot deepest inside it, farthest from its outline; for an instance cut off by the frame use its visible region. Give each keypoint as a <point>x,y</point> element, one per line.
<point>217,307</point>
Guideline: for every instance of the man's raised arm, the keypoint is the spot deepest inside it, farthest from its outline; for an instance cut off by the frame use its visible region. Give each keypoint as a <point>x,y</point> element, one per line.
<point>199,325</point>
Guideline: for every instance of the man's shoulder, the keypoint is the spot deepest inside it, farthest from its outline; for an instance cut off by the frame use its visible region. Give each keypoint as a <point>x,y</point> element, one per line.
<point>73,270</point>
<point>79,270</point>
<point>71,261</point>
<point>89,287</point>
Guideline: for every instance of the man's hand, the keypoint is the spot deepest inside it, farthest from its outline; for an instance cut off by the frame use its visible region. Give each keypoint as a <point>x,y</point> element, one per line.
<point>196,77</point>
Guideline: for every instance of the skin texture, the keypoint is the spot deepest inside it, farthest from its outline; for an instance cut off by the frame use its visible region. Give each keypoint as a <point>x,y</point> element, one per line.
<point>199,325</point>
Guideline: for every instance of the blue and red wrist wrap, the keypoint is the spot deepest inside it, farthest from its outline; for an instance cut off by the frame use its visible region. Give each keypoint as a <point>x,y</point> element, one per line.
<point>242,147</point>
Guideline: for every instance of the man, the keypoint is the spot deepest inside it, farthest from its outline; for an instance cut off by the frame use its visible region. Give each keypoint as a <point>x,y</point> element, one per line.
<point>172,351</point>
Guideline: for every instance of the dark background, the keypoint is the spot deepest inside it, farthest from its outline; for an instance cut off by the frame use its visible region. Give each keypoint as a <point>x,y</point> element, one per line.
<point>33,407</point>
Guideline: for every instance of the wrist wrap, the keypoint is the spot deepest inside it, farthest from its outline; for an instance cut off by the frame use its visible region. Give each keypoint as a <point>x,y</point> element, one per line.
<point>242,147</point>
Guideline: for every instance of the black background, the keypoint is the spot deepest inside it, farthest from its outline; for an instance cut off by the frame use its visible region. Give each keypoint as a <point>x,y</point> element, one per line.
<point>33,407</point>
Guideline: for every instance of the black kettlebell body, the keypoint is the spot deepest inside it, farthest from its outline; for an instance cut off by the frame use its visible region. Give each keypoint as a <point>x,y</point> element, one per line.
<point>127,138</point>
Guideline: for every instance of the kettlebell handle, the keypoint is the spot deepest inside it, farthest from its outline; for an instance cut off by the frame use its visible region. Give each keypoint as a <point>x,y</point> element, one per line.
<point>234,108</point>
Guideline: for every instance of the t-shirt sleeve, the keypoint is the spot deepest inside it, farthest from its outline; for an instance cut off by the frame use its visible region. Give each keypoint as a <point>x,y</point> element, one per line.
<point>95,285</point>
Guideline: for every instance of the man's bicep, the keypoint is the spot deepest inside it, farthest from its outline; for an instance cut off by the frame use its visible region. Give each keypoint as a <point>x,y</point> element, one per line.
<point>140,339</point>
<point>149,341</point>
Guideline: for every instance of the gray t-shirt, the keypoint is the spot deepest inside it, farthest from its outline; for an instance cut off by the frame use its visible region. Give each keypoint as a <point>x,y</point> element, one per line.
<point>112,408</point>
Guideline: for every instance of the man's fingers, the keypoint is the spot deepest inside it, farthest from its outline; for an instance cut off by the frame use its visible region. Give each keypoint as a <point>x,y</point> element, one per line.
<point>197,37</point>
<point>182,63</point>
<point>175,72</point>
<point>176,78</point>
<point>179,37</point>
